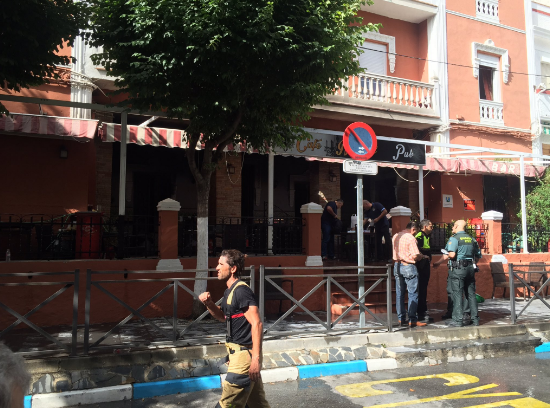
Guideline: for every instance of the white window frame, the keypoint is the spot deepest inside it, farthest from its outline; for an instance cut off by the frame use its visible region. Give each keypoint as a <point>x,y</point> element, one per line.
<point>488,47</point>
<point>385,39</point>
<point>493,63</point>
<point>546,81</point>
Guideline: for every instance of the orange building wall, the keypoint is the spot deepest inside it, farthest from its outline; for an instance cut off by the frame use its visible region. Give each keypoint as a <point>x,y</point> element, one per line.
<point>407,42</point>
<point>35,180</point>
<point>511,13</point>
<point>49,91</point>
<point>490,141</point>
<point>464,88</point>
<point>460,187</point>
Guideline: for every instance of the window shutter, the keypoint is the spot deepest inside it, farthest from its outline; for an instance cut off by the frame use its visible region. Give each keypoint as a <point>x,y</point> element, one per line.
<point>374,58</point>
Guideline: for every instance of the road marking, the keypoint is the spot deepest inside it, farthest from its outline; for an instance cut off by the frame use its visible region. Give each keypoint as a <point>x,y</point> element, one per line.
<point>517,403</point>
<point>455,395</point>
<point>360,390</point>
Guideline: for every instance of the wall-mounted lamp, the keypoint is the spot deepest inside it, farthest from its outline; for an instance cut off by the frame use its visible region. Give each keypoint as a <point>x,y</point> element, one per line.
<point>63,153</point>
<point>332,177</point>
<point>230,169</point>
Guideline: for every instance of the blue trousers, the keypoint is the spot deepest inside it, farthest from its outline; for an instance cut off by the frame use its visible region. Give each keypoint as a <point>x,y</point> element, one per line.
<point>406,279</point>
<point>327,244</point>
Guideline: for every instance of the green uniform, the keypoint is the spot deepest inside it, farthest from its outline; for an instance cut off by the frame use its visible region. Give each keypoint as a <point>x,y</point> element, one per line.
<point>462,275</point>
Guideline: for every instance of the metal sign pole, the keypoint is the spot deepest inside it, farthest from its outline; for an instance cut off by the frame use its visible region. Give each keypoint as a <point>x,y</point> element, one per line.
<point>360,246</point>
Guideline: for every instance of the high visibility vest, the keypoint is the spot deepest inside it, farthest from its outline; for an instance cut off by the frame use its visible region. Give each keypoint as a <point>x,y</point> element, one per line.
<point>425,241</point>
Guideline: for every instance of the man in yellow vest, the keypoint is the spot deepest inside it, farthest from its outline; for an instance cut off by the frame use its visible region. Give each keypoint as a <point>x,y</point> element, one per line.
<point>423,267</point>
<point>243,385</point>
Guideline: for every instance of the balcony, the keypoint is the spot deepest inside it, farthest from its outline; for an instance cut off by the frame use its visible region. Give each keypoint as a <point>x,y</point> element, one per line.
<point>491,113</point>
<point>487,10</point>
<point>413,11</point>
<point>383,98</point>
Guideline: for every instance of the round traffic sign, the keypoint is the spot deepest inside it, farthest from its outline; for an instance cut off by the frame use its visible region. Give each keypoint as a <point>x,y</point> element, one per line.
<point>360,141</point>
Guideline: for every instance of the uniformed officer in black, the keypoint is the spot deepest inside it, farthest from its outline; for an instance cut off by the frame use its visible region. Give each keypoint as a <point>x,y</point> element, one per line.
<point>463,252</point>
<point>243,385</point>
<point>423,268</point>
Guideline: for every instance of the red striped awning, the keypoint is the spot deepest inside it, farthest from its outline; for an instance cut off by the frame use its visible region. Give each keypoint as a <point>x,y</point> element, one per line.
<point>110,132</point>
<point>153,136</point>
<point>460,165</point>
<point>18,123</point>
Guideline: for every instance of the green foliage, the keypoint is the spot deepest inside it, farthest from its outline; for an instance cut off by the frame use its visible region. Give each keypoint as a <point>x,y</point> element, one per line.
<point>537,204</point>
<point>31,34</point>
<point>243,70</point>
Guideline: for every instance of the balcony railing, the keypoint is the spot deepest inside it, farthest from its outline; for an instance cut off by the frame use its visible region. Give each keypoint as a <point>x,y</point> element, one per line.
<point>399,93</point>
<point>491,112</point>
<point>487,10</point>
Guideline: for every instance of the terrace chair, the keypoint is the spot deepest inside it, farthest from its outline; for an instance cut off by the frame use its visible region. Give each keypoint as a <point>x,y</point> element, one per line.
<point>272,293</point>
<point>536,280</point>
<point>500,279</point>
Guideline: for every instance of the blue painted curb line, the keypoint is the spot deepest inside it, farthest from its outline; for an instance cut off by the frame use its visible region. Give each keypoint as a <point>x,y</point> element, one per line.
<point>324,370</point>
<point>185,385</point>
<point>160,388</point>
<point>544,347</point>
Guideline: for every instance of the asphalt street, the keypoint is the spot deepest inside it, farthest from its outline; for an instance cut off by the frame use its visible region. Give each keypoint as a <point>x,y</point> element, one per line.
<point>519,382</point>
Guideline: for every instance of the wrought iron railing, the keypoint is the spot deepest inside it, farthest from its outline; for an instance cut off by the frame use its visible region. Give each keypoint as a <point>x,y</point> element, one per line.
<point>77,236</point>
<point>442,231</point>
<point>247,234</point>
<point>538,238</point>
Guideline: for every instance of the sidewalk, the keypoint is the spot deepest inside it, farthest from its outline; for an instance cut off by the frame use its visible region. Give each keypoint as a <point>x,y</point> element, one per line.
<point>135,335</point>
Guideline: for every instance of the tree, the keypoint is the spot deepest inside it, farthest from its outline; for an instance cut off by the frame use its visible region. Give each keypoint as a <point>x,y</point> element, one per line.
<point>537,203</point>
<point>238,70</point>
<point>32,32</point>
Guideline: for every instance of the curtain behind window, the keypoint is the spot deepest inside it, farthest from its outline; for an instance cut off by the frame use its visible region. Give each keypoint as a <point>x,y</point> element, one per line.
<point>486,83</point>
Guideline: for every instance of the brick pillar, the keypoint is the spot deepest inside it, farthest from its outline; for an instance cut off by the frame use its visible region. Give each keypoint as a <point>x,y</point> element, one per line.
<point>168,235</point>
<point>493,219</point>
<point>400,217</point>
<point>311,235</point>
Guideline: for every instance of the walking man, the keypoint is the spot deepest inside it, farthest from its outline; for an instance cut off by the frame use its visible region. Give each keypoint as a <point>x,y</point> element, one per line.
<point>423,267</point>
<point>406,254</point>
<point>463,251</point>
<point>243,385</point>
<point>377,213</point>
<point>330,215</point>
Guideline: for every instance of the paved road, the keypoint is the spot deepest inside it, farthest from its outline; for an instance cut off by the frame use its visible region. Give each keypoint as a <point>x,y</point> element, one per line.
<point>479,384</point>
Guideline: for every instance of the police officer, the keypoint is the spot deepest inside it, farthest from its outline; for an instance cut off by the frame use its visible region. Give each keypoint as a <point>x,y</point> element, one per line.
<point>463,251</point>
<point>423,268</point>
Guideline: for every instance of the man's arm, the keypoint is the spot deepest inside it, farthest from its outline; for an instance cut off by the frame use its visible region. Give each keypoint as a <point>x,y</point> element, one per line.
<point>331,211</point>
<point>253,317</point>
<point>443,259</point>
<point>384,212</point>
<point>214,310</point>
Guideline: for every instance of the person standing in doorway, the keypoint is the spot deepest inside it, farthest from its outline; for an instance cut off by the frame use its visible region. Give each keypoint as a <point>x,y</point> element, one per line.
<point>243,385</point>
<point>463,251</point>
<point>330,215</point>
<point>423,267</point>
<point>377,213</point>
<point>406,254</point>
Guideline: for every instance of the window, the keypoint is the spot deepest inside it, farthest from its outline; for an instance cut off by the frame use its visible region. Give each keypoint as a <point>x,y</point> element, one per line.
<point>374,58</point>
<point>545,74</point>
<point>488,77</point>
<point>546,149</point>
<point>486,83</point>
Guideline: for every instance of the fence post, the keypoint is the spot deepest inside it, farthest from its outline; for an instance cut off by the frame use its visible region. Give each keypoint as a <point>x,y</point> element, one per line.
<point>87,310</point>
<point>168,236</point>
<point>493,219</point>
<point>74,338</point>
<point>329,310</point>
<point>512,292</point>
<point>389,300</point>
<point>120,232</point>
<point>311,237</point>
<point>175,312</point>
<point>252,278</point>
<point>261,294</point>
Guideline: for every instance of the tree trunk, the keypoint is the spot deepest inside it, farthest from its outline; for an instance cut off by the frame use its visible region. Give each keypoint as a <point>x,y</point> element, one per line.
<point>203,192</point>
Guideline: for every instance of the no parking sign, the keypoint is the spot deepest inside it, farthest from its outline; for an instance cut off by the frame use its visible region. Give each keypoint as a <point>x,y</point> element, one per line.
<point>360,141</point>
